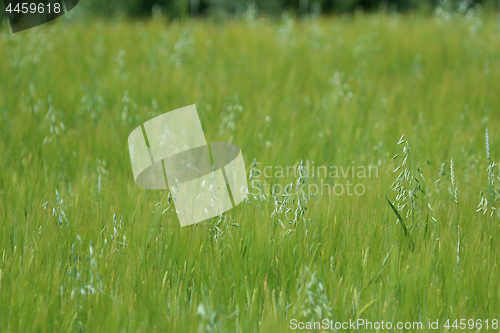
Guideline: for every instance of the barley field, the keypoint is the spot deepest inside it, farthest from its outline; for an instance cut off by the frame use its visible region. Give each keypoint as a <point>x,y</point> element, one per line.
<point>413,98</point>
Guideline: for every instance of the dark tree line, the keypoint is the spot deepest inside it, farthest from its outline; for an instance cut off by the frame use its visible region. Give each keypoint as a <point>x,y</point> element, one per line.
<point>186,8</point>
<point>179,8</point>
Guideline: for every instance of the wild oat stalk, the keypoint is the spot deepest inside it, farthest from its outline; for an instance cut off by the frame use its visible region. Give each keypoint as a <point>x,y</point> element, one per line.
<point>291,205</point>
<point>312,302</point>
<point>493,193</point>
<point>491,175</point>
<point>218,230</point>
<point>411,190</point>
<point>453,182</point>
<point>255,184</point>
<point>208,318</point>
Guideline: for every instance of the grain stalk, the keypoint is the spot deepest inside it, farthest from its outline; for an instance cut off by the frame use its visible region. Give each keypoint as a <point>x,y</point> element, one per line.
<point>312,303</point>
<point>290,207</point>
<point>491,175</point>
<point>489,203</point>
<point>411,201</point>
<point>454,186</point>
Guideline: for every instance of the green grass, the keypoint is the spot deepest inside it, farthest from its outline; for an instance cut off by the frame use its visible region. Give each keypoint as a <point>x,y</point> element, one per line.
<point>347,257</point>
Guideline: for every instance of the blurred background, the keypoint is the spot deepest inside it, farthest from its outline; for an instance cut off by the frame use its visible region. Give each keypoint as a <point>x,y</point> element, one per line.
<point>178,9</point>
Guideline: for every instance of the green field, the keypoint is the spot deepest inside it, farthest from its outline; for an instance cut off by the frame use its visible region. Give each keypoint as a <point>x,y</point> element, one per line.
<point>84,249</point>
